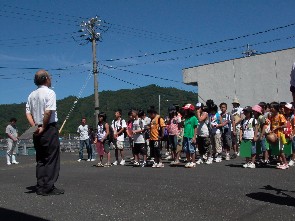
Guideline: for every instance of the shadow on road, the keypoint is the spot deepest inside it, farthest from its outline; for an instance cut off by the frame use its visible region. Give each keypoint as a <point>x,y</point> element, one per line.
<point>31,189</point>
<point>280,197</point>
<point>234,165</point>
<point>11,215</point>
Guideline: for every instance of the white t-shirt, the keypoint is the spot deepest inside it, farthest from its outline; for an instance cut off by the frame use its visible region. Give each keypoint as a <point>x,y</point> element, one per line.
<point>203,130</point>
<point>12,130</point>
<point>83,131</point>
<point>138,124</point>
<point>147,121</point>
<point>237,111</point>
<point>116,125</point>
<point>248,128</point>
<point>39,101</point>
<point>100,132</point>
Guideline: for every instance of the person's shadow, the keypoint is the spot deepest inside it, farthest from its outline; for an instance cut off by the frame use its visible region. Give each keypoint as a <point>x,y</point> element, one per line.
<point>31,189</point>
<point>11,215</point>
<point>280,197</point>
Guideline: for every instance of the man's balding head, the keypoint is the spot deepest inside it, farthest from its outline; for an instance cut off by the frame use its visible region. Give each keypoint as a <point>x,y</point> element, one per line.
<point>42,77</point>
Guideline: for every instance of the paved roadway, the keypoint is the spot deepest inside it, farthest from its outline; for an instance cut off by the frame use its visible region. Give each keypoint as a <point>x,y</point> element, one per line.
<point>222,191</point>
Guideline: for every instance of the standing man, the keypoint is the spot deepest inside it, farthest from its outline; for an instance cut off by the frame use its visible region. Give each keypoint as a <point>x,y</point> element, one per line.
<point>41,112</point>
<point>84,140</point>
<point>11,132</point>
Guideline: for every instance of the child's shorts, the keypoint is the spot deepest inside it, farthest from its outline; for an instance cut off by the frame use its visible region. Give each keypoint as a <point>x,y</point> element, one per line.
<point>188,146</point>
<point>102,147</point>
<point>139,148</point>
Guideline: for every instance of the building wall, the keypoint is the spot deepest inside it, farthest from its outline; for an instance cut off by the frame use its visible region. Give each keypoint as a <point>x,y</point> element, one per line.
<point>253,79</point>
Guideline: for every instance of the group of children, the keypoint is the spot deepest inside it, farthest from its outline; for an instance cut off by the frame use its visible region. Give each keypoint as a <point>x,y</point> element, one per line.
<point>202,128</point>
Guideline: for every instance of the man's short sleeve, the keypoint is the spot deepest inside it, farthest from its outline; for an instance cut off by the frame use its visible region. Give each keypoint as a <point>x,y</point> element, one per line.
<point>51,101</point>
<point>28,111</point>
<point>7,130</point>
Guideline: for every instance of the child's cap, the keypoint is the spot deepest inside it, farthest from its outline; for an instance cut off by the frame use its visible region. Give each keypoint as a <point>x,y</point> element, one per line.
<point>289,106</point>
<point>247,109</point>
<point>236,101</point>
<point>199,105</point>
<point>257,108</point>
<point>189,107</point>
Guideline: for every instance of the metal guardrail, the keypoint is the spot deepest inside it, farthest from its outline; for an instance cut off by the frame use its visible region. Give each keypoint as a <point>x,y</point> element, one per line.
<point>26,147</point>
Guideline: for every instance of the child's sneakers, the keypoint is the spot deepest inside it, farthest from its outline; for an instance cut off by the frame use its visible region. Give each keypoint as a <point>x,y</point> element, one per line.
<point>291,163</point>
<point>108,164</point>
<point>187,165</point>
<point>115,163</point>
<point>249,165</point>
<point>227,157</point>
<point>143,164</point>
<point>199,161</point>
<point>209,160</point>
<point>190,165</point>
<point>155,165</point>
<point>246,165</point>
<point>218,159</point>
<point>136,164</point>
<point>99,164</point>
<point>160,165</point>
<point>122,163</point>
<point>283,166</point>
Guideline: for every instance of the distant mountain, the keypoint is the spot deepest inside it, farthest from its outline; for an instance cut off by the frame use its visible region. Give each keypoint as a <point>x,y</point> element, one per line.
<point>109,101</point>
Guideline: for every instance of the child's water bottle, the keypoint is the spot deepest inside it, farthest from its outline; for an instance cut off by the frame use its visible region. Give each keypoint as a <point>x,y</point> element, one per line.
<point>283,138</point>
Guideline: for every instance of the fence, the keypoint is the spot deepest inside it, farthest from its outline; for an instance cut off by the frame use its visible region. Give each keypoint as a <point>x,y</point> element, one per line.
<point>26,147</point>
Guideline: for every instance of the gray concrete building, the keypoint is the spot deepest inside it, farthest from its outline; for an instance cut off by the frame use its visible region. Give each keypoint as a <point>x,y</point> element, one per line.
<point>263,77</point>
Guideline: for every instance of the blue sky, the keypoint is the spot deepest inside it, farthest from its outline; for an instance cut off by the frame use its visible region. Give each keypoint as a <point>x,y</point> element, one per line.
<point>43,34</point>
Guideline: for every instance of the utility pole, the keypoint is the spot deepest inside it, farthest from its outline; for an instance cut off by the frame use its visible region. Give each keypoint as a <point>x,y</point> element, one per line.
<point>249,52</point>
<point>89,29</point>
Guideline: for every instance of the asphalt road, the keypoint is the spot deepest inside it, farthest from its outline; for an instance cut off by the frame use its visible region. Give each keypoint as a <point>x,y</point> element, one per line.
<point>221,191</point>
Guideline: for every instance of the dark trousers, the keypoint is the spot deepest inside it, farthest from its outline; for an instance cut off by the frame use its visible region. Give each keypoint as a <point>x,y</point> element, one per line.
<point>155,148</point>
<point>48,158</point>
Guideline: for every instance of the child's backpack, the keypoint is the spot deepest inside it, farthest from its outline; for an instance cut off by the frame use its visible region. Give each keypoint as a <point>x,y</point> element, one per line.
<point>110,137</point>
<point>159,128</point>
<point>250,124</point>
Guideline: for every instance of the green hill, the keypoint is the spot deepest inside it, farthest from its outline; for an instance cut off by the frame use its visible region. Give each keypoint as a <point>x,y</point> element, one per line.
<point>109,101</point>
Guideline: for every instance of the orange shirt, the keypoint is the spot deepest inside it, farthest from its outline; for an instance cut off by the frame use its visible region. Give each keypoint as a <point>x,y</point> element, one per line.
<point>155,127</point>
<point>276,121</point>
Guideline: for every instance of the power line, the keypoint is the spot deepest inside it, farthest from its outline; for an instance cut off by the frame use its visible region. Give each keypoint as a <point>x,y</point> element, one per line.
<point>203,53</point>
<point>204,44</point>
<point>36,43</point>
<point>71,17</point>
<point>38,36</point>
<point>147,36</point>
<point>35,17</point>
<point>119,79</point>
<point>145,75</point>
